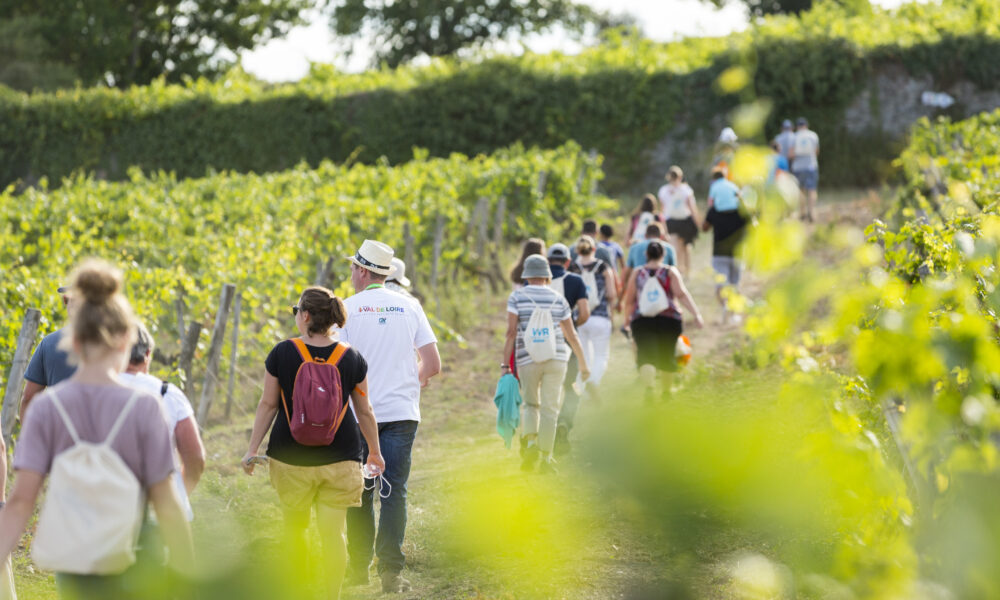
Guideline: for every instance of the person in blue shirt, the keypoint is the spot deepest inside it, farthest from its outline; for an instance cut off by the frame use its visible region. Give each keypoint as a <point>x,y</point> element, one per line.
<point>778,163</point>
<point>49,364</point>
<point>637,253</point>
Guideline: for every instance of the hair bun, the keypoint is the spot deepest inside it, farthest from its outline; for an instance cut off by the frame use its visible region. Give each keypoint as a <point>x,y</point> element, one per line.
<point>97,281</point>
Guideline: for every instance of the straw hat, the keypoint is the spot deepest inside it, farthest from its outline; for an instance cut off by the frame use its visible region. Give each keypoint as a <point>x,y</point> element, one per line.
<point>374,256</point>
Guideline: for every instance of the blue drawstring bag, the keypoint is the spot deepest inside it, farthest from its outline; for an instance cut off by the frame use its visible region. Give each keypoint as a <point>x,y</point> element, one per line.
<point>508,403</point>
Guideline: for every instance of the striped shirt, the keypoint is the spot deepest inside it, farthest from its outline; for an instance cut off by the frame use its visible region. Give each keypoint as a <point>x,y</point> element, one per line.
<point>522,303</point>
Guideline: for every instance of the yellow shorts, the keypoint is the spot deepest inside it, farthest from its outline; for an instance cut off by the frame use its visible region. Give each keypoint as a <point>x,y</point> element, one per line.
<point>337,485</point>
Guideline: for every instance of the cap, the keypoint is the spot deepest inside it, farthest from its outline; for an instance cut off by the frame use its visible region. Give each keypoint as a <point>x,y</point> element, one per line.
<point>801,121</point>
<point>559,252</point>
<point>786,124</point>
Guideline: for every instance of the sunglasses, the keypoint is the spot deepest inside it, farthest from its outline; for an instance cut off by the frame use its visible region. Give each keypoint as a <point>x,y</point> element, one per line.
<point>295,310</point>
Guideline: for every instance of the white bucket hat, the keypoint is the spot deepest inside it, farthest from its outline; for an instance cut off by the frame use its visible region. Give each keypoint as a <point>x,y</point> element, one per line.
<point>374,256</point>
<point>398,272</point>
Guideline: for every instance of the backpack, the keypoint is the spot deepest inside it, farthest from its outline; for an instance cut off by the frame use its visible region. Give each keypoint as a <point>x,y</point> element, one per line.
<point>595,295</point>
<point>93,509</point>
<point>318,405</point>
<point>644,221</point>
<point>540,335</point>
<point>558,285</point>
<point>653,298</point>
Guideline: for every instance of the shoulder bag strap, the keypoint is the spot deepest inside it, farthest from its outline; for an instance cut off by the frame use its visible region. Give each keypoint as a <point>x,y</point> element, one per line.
<point>65,418</point>
<point>121,419</point>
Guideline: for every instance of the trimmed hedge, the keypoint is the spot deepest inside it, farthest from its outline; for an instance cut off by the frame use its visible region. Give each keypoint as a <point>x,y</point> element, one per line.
<point>620,98</point>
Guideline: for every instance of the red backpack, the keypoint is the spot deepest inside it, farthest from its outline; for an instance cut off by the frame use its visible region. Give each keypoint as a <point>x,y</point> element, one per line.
<point>318,404</point>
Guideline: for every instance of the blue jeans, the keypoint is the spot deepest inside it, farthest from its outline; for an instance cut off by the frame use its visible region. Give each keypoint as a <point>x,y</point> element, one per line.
<point>396,441</point>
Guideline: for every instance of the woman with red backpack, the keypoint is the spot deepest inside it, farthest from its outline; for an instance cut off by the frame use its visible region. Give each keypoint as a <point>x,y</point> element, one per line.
<point>651,297</point>
<point>314,451</point>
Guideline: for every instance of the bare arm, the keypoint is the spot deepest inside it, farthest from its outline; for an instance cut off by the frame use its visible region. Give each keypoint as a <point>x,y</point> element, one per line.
<point>430,362</point>
<point>629,300</point>
<point>677,283</point>
<point>3,470</point>
<point>31,389</point>
<point>266,411</point>
<point>693,207</point>
<point>173,526</point>
<point>583,308</point>
<point>569,332</point>
<point>192,452</point>
<point>511,338</point>
<point>610,286</point>
<point>14,516</point>
<point>366,421</point>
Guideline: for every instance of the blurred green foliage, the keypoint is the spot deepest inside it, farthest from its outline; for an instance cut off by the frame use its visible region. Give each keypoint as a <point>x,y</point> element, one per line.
<point>620,98</point>
<point>907,312</point>
<point>24,58</point>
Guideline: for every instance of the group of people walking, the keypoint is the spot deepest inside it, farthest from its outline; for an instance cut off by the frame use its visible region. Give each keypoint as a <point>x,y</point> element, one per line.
<point>564,299</point>
<point>341,400</point>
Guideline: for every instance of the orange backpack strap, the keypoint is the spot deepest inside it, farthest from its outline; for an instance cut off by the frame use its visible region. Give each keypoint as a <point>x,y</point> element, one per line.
<point>303,351</point>
<point>338,353</point>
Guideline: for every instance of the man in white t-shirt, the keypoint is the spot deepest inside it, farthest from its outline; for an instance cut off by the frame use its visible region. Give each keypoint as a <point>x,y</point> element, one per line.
<point>178,413</point>
<point>391,331</point>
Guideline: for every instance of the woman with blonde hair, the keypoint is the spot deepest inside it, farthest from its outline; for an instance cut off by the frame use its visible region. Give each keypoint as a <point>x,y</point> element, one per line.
<point>595,333</point>
<point>95,411</point>
<point>326,477</point>
<point>681,216</point>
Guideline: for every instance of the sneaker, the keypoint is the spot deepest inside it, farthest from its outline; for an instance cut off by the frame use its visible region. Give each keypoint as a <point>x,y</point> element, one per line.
<point>393,583</point>
<point>528,440</point>
<point>356,577</point>
<point>547,467</point>
<point>530,457</point>
<point>561,446</point>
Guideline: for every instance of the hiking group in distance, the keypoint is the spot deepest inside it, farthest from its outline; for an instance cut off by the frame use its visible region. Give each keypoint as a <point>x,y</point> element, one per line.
<point>342,399</point>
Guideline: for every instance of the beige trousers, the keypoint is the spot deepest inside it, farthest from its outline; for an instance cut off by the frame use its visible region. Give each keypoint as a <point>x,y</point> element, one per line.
<point>542,389</point>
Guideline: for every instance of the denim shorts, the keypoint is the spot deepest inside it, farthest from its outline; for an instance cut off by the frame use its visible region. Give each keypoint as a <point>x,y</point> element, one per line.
<point>808,178</point>
<point>728,268</point>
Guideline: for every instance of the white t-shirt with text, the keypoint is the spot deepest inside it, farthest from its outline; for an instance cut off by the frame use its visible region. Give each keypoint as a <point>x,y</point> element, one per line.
<point>176,408</point>
<point>387,328</point>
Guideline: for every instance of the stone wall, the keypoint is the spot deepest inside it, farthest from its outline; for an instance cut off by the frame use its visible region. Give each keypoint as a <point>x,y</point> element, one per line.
<point>883,112</point>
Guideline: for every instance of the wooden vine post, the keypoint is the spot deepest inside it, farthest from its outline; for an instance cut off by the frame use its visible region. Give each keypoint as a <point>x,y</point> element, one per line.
<point>188,346</point>
<point>15,377</point>
<point>436,264</point>
<point>233,353</point>
<point>214,352</point>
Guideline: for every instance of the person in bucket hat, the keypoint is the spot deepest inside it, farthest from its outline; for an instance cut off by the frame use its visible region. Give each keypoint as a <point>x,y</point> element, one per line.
<point>541,380</point>
<point>392,332</point>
